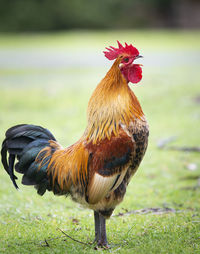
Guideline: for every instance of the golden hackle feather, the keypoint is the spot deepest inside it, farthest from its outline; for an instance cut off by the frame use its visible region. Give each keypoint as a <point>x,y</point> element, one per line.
<point>111,104</point>
<point>69,165</point>
<point>47,151</point>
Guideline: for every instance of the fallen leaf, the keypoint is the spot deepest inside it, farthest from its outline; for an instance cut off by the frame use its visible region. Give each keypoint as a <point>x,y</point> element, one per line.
<point>75,221</point>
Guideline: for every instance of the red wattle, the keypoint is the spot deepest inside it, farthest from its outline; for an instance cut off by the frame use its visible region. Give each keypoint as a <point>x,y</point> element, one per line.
<point>132,73</point>
<point>135,73</point>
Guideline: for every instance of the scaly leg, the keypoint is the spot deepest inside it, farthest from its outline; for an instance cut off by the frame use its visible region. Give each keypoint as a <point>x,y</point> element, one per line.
<point>103,238</point>
<point>97,226</point>
<point>100,230</point>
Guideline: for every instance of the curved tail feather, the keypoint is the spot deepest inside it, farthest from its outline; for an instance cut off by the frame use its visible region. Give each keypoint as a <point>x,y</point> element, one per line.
<point>24,143</point>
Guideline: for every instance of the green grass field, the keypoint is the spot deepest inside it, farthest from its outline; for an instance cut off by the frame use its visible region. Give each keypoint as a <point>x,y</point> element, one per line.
<point>56,98</point>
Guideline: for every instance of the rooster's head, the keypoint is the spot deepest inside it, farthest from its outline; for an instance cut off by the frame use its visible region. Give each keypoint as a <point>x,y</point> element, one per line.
<point>127,54</point>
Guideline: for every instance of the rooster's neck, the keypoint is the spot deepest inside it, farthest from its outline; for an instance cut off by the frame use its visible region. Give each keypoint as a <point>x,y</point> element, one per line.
<point>112,104</point>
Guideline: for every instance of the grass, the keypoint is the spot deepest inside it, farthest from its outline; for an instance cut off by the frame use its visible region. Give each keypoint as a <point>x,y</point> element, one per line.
<point>57,99</point>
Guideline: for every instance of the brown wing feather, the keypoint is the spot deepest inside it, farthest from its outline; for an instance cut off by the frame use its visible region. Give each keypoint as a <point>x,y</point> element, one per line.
<point>108,165</point>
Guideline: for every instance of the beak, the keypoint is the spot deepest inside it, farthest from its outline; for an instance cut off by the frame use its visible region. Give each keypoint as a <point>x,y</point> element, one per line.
<point>138,57</point>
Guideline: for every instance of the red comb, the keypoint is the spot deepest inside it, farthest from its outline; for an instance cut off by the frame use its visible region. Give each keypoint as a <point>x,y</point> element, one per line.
<point>113,53</point>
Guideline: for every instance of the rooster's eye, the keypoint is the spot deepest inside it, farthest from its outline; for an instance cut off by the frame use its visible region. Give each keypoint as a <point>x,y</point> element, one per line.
<point>126,59</point>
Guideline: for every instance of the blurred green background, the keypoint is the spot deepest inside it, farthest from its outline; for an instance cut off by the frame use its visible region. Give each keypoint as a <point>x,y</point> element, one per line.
<point>50,15</point>
<point>50,62</point>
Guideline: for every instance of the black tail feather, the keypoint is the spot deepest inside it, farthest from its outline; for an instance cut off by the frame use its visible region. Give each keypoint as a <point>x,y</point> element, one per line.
<point>11,171</point>
<point>30,131</point>
<point>30,152</point>
<point>4,156</point>
<point>25,142</point>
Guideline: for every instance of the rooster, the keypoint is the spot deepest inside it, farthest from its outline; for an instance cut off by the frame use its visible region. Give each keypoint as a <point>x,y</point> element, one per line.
<point>96,170</point>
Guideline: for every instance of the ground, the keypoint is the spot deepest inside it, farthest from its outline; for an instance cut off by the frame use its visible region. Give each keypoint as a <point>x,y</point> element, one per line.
<point>47,79</point>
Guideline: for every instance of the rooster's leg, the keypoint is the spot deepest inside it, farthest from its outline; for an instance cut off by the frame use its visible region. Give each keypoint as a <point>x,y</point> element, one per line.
<point>97,226</point>
<point>100,230</point>
<point>103,238</point>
